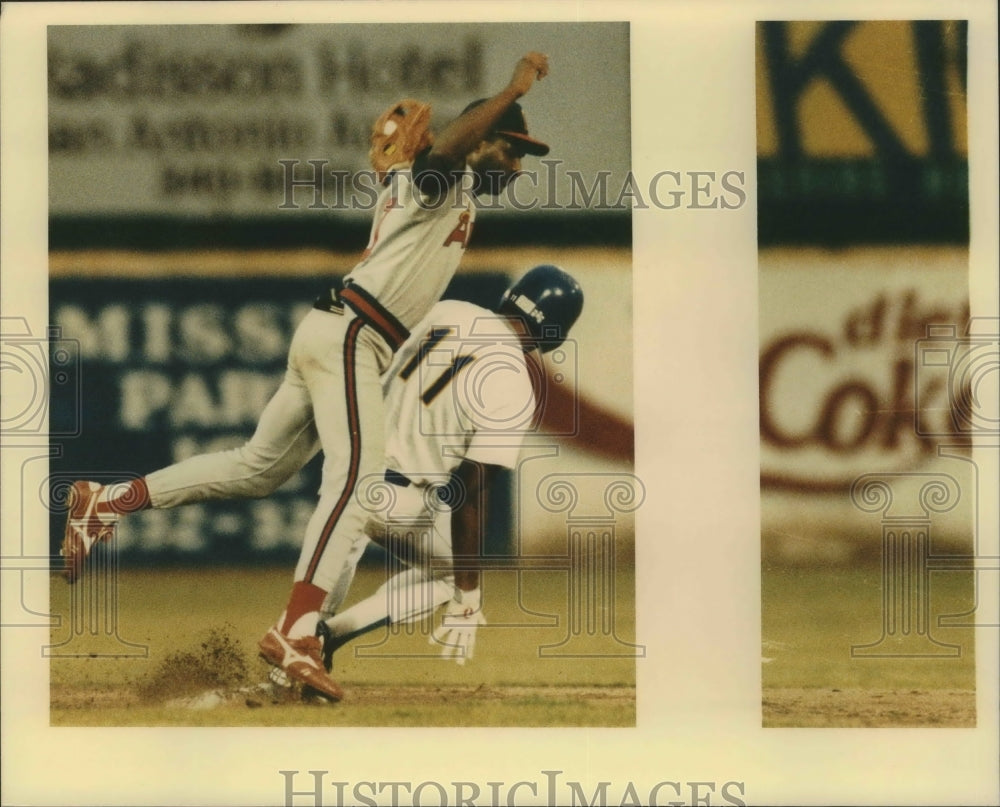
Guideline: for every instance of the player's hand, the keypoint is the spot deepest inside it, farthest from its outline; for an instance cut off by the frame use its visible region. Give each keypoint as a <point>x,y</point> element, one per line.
<point>457,632</point>
<point>530,68</point>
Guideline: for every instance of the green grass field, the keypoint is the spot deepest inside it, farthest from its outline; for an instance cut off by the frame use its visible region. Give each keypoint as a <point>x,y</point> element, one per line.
<point>201,629</point>
<point>811,619</point>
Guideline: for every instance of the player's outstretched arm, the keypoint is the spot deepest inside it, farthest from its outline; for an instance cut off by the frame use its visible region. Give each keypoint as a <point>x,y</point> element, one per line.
<point>464,613</point>
<point>466,132</point>
<point>469,521</point>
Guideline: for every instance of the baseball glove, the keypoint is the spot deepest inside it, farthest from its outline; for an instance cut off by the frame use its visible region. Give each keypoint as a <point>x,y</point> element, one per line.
<point>399,135</point>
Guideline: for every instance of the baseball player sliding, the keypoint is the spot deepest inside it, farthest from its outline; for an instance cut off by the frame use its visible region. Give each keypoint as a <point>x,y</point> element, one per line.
<point>338,353</point>
<point>460,396</point>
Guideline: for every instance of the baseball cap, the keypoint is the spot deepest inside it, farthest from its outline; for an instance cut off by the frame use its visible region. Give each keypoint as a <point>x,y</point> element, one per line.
<point>513,126</point>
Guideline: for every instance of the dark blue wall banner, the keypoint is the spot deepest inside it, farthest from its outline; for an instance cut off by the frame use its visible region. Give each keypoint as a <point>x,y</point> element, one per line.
<point>159,370</point>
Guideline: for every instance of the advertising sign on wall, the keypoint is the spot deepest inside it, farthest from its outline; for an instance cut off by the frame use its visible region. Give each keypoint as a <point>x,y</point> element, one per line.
<point>166,369</point>
<point>254,120</point>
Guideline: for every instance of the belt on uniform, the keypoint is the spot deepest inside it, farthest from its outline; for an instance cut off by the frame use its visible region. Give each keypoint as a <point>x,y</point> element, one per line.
<point>328,302</point>
<point>368,309</point>
<point>373,313</point>
<point>397,479</point>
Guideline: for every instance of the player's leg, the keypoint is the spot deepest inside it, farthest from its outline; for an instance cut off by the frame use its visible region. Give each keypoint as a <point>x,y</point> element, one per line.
<point>425,582</point>
<point>340,360</point>
<point>285,439</point>
<point>345,388</point>
<point>405,597</point>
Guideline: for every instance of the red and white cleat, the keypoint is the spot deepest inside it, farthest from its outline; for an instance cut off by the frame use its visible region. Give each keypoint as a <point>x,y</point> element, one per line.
<point>84,527</point>
<point>301,660</point>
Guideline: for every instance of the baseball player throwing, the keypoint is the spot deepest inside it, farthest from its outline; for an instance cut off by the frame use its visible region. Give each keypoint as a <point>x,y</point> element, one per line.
<point>332,387</point>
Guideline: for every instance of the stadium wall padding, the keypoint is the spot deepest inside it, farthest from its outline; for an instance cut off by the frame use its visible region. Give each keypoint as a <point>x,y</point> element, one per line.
<point>161,363</point>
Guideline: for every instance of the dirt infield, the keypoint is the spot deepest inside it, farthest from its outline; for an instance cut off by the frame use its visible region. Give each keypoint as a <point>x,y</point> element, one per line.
<point>361,695</point>
<point>363,705</point>
<point>190,659</point>
<point>851,708</point>
<point>782,708</point>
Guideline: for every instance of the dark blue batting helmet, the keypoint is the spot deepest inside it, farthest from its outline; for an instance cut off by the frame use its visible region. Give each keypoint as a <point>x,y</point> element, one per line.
<point>549,301</point>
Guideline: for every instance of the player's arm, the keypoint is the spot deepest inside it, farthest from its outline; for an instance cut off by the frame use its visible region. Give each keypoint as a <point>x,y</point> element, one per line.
<point>460,137</point>
<point>468,522</point>
<point>464,614</point>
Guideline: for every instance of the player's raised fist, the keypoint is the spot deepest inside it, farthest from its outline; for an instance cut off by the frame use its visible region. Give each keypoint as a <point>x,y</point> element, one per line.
<point>530,68</point>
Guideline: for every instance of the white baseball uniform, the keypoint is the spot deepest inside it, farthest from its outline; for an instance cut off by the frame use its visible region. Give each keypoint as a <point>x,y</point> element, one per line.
<point>458,389</point>
<point>332,389</point>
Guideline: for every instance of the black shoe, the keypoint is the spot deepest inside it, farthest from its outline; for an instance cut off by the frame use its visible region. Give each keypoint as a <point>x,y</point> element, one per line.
<point>311,694</point>
<point>329,644</point>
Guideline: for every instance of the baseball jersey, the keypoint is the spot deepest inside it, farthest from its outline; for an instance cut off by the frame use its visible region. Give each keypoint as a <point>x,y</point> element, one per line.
<point>458,389</point>
<point>416,243</point>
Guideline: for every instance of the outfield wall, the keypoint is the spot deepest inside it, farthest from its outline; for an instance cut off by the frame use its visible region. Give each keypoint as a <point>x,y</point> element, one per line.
<point>174,354</point>
<point>851,384</point>
<point>863,273</point>
<point>214,120</point>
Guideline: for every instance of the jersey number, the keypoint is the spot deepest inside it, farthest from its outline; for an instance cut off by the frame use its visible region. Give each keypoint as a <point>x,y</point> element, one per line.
<point>427,344</point>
